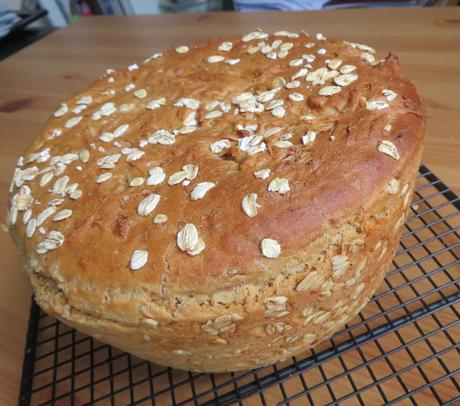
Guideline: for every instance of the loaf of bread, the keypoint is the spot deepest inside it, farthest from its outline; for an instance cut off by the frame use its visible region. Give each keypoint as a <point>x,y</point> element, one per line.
<point>221,206</point>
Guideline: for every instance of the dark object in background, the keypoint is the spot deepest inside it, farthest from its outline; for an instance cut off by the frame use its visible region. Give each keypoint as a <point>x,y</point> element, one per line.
<point>16,41</point>
<point>20,35</point>
<point>8,19</point>
<point>26,17</point>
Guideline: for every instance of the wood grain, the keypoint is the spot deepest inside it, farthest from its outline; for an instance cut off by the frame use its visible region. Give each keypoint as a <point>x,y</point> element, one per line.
<point>34,81</point>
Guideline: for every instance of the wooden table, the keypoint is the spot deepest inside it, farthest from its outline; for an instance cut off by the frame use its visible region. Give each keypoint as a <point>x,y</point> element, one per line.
<point>33,82</point>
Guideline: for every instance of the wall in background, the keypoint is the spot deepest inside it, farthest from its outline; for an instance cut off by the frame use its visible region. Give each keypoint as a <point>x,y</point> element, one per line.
<point>146,7</point>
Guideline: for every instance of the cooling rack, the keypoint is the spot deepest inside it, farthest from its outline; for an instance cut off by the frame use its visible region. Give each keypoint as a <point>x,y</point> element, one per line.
<point>403,348</point>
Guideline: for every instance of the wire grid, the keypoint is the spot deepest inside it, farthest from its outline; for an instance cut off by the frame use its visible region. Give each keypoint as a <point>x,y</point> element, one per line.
<point>402,348</point>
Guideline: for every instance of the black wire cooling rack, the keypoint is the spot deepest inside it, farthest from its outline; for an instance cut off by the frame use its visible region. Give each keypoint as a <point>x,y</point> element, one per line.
<point>403,348</point>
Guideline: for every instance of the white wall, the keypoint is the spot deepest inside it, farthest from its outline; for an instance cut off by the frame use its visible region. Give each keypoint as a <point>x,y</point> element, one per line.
<point>145,6</point>
<point>54,16</point>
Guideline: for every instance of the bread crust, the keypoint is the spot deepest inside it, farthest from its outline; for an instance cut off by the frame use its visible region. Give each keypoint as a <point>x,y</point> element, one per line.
<point>337,226</point>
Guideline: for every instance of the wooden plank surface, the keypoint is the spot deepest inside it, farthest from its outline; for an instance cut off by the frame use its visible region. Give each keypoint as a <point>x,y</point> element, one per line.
<point>34,81</point>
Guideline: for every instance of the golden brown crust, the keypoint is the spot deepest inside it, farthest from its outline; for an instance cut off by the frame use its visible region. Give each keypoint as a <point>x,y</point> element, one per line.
<point>121,274</point>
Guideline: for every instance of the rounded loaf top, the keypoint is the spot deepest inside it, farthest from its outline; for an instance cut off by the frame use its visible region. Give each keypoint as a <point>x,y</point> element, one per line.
<point>206,164</point>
